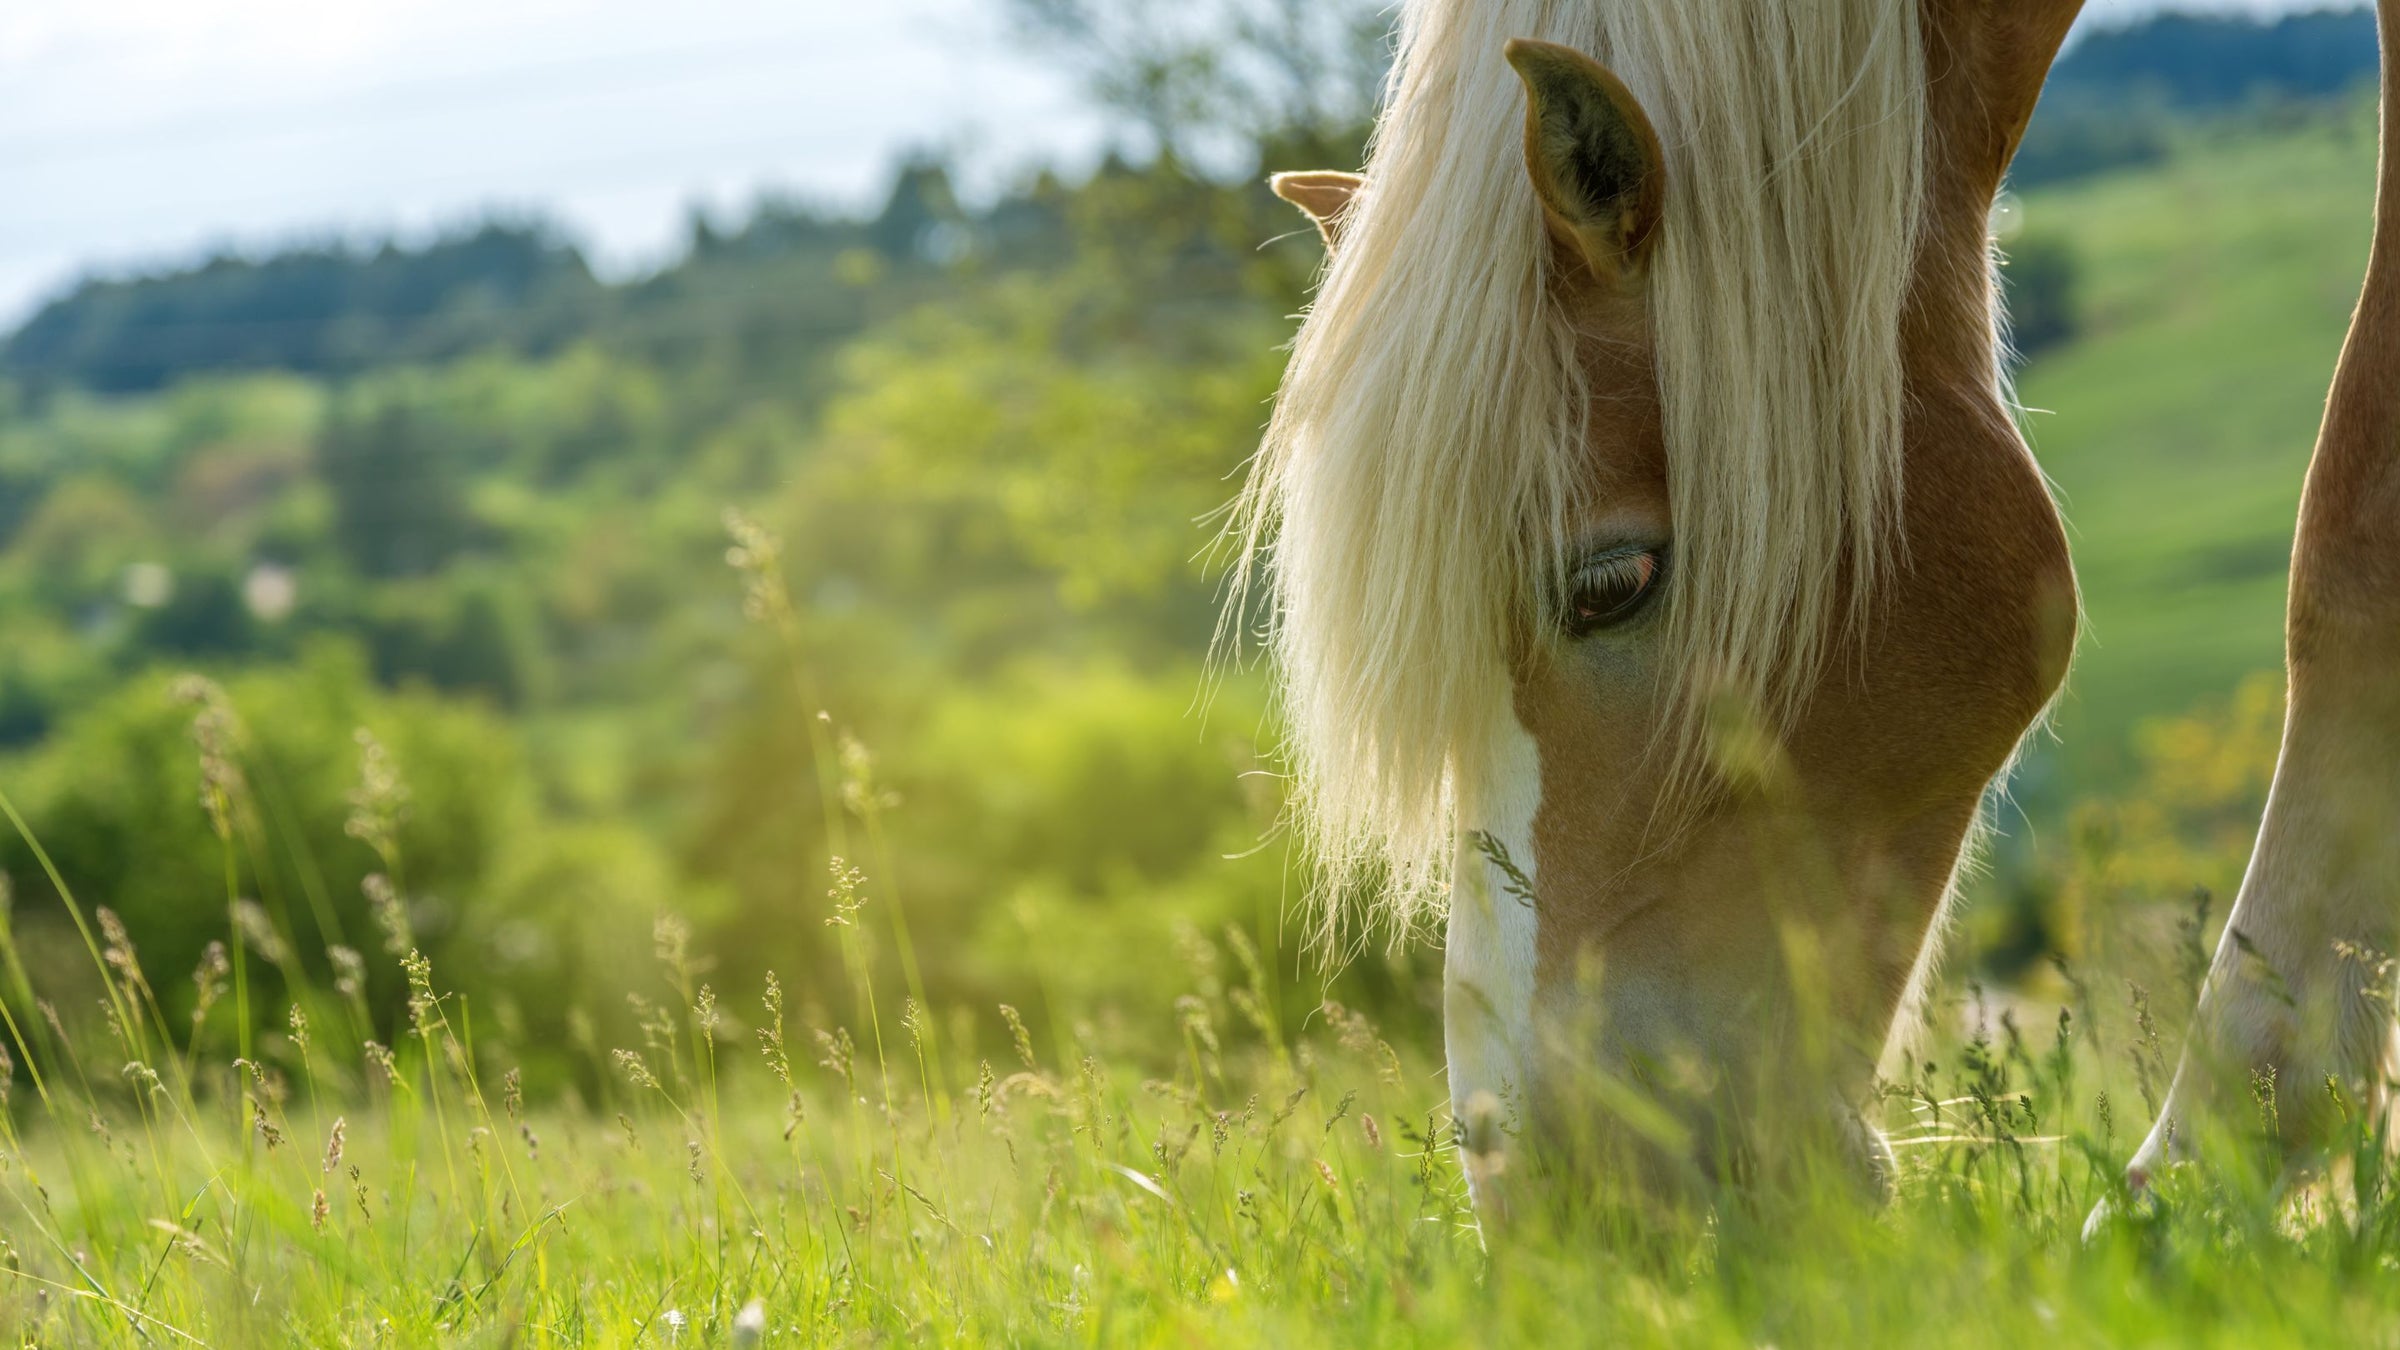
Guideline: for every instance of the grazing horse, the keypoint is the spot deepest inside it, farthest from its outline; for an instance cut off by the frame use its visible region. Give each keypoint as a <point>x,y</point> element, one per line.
<point>1657,580</point>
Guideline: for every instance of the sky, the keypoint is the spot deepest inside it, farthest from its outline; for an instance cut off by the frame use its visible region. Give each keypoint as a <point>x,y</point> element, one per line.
<point>141,133</point>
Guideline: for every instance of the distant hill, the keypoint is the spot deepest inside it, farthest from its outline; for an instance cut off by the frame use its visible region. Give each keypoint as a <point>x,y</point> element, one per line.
<point>2120,96</point>
<point>2221,60</point>
<point>2177,423</point>
<point>792,283</point>
<point>787,276</point>
<point>328,309</point>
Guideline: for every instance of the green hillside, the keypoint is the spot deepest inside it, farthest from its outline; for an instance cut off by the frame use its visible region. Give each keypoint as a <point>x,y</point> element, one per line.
<point>2215,290</point>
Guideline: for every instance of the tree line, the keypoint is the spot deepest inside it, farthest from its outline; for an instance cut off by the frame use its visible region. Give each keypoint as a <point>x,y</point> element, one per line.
<point>1211,96</point>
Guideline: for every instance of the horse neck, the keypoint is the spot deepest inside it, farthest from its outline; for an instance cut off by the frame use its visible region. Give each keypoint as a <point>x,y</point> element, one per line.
<point>1985,61</point>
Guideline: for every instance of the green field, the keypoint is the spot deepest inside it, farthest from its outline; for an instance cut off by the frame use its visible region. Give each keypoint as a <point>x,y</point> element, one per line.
<point>2215,292</point>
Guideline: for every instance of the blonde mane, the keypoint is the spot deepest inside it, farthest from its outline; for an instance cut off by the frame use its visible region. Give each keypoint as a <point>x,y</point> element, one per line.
<point>1410,502</point>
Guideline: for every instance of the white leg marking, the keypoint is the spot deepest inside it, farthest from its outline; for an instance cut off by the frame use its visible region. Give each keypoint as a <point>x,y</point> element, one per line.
<point>2297,987</point>
<point>1488,962</point>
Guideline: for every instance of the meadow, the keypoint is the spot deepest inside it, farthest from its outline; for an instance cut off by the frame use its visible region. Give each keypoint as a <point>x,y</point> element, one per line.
<point>2215,293</point>
<point>253,1156</point>
<point>834,1166</point>
<point>692,811</point>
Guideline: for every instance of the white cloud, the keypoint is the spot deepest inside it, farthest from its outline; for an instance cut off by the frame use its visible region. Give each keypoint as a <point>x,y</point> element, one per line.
<point>140,129</point>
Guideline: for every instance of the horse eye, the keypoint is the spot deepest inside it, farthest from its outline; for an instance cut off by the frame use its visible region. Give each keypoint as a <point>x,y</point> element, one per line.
<point>1612,588</point>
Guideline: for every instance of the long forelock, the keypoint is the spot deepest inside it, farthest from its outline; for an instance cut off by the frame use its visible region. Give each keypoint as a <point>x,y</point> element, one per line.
<point>1412,495</point>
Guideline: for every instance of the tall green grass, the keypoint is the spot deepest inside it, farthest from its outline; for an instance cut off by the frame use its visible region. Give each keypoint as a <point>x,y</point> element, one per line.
<point>822,1166</point>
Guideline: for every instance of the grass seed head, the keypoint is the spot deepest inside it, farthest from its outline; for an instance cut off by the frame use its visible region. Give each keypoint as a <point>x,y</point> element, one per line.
<point>836,1054</point>
<point>216,731</point>
<point>1020,1038</point>
<point>770,1034</point>
<point>757,554</point>
<point>117,947</point>
<point>848,881</point>
<point>208,979</point>
<point>349,971</point>
<point>383,899</point>
<point>631,1065</point>
<point>379,800</point>
<point>258,932</point>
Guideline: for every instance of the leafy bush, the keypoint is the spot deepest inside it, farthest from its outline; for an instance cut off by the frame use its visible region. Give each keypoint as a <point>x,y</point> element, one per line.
<point>118,794</point>
<point>2040,280</point>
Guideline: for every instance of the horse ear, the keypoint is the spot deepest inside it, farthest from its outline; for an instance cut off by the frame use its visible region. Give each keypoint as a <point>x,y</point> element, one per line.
<point>1324,195</point>
<point>1593,156</point>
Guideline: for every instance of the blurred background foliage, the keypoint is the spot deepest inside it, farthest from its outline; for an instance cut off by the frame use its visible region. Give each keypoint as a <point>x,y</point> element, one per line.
<point>458,511</point>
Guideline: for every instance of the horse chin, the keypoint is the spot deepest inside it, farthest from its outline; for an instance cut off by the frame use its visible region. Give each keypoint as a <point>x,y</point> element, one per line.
<point>1680,1114</point>
<point>1565,1173</point>
<point>1869,1157</point>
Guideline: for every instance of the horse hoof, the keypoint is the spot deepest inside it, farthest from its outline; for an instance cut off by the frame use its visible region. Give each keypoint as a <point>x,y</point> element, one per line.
<point>2139,1201</point>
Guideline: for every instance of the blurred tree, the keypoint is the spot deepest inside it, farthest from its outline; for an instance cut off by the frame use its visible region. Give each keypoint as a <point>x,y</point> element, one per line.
<point>2040,280</point>
<point>2080,132</point>
<point>205,616</point>
<point>117,792</point>
<point>2222,60</point>
<point>329,309</point>
<point>398,493</point>
<point>74,545</point>
<point>921,219</point>
<point>995,440</point>
<point>463,633</point>
<point>2121,95</point>
<point>42,668</point>
<point>1221,79</point>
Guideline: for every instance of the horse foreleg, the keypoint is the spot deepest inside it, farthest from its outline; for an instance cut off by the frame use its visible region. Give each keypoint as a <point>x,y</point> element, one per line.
<point>2295,1024</point>
<point>2294,1035</point>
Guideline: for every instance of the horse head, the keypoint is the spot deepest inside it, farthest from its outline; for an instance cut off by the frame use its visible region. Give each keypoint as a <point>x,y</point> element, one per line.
<point>1660,578</point>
